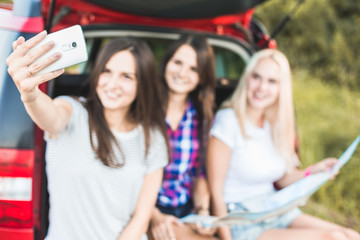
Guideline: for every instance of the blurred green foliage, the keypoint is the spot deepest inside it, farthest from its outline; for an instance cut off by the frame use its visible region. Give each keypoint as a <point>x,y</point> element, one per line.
<point>323,37</point>
<point>328,122</point>
<point>322,43</point>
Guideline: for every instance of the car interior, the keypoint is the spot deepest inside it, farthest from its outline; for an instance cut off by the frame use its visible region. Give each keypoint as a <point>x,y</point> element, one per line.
<point>229,61</point>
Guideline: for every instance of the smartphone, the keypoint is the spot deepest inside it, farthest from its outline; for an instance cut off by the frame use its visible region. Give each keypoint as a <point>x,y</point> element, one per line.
<point>70,43</point>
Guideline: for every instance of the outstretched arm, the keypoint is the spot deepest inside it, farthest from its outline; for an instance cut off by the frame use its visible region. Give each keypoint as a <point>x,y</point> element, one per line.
<point>51,116</point>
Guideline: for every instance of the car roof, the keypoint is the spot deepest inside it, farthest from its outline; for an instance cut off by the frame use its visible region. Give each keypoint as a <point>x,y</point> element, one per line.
<point>180,9</point>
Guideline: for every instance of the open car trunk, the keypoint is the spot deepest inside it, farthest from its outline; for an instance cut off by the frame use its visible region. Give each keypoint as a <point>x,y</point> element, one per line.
<point>228,25</point>
<point>223,17</point>
<point>180,9</point>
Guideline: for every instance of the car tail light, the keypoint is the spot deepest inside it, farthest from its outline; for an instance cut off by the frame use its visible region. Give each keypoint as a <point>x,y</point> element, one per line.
<point>16,188</point>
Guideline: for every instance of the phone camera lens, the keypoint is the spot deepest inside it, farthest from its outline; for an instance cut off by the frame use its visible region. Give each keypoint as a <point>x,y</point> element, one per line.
<point>73,44</point>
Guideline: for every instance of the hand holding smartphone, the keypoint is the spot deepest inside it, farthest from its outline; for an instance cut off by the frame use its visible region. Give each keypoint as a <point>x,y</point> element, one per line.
<point>70,43</point>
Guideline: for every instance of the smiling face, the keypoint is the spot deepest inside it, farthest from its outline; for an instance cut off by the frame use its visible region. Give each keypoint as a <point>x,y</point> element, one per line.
<point>117,84</point>
<point>263,85</point>
<point>181,72</point>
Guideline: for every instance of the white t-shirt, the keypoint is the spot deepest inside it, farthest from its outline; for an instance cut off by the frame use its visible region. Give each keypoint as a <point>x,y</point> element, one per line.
<point>89,200</point>
<point>254,164</point>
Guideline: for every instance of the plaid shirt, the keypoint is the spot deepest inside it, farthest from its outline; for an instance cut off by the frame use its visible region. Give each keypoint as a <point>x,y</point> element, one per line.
<point>180,172</point>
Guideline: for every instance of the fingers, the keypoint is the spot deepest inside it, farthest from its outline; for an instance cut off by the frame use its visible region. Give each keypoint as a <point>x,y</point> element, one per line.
<point>33,55</point>
<point>164,231</point>
<point>170,231</point>
<point>23,63</point>
<point>24,78</point>
<point>28,88</point>
<point>36,67</point>
<point>331,162</point>
<point>22,46</point>
<point>47,76</point>
<point>20,60</point>
<point>21,70</point>
<point>176,221</point>
<point>158,233</point>
<point>26,66</point>
<point>325,165</point>
<point>18,42</point>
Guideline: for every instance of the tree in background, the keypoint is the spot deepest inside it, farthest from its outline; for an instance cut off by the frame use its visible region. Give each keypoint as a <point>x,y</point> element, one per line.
<point>323,37</point>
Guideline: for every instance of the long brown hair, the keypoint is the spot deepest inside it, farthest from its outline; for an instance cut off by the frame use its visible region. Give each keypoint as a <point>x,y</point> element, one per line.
<point>203,96</point>
<point>144,110</point>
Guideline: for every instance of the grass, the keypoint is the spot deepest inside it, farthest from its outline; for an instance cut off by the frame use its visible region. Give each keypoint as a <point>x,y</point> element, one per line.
<point>328,120</point>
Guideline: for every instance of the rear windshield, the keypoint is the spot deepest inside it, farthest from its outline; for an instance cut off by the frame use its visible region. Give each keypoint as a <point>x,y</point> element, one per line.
<point>229,65</point>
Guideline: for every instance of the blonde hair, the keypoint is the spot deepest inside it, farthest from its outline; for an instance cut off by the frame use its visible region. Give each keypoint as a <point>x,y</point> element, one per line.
<point>281,115</point>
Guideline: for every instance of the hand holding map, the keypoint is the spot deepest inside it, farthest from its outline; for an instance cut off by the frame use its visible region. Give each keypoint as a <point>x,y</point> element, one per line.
<point>281,201</point>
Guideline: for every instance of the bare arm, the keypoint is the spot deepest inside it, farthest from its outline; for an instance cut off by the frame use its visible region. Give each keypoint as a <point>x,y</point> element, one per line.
<point>201,200</point>
<point>290,178</point>
<point>139,222</point>
<point>297,174</point>
<point>201,195</point>
<point>218,160</point>
<point>51,116</point>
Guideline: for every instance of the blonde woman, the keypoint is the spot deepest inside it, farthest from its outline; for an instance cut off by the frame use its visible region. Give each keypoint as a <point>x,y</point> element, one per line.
<point>251,149</point>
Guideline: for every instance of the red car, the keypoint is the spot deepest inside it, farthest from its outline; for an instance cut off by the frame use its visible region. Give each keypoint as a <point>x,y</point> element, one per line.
<point>228,24</point>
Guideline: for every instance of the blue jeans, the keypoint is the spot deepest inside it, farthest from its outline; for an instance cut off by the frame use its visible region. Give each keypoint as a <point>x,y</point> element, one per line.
<point>253,231</point>
<point>179,211</point>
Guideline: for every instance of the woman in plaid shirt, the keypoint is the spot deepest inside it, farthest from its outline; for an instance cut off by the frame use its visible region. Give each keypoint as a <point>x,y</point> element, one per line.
<point>187,73</point>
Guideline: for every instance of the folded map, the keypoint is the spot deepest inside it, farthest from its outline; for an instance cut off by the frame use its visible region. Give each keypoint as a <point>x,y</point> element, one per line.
<point>279,202</point>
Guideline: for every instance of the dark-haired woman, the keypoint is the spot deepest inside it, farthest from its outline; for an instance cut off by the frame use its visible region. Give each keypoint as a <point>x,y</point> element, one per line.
<point>187,75</point>
<point>105,155</point>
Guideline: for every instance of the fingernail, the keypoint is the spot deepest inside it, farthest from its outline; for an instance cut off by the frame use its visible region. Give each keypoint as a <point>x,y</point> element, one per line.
<point>42,33</point>
<point>56,55</point>
<point>51,43</point>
